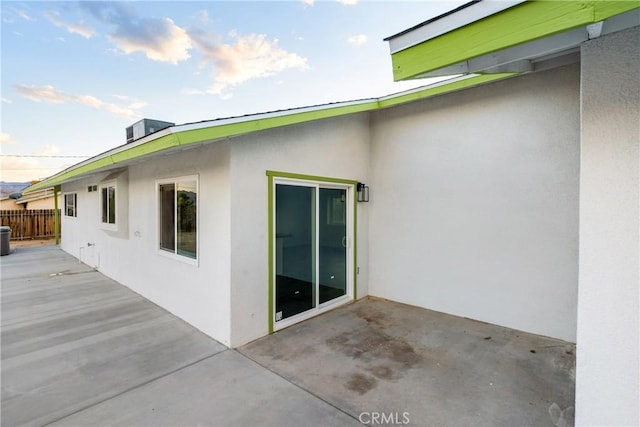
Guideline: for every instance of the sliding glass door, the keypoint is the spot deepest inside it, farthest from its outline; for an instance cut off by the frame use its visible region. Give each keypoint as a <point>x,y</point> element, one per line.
<point>312,240</point>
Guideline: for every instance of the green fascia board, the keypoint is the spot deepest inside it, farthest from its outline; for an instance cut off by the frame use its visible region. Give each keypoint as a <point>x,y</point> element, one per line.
<point>302,177</point>
<point>523,23</point>
<point>163,143</point>
<point>213,132</point>
<point>258,124</point>
<point>438,90</point>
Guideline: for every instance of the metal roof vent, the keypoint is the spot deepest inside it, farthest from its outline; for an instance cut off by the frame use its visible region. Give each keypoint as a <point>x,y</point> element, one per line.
<point>145,127</point>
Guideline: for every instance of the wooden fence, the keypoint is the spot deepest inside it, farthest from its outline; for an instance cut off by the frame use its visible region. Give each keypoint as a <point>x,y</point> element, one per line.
<point>30,224</point>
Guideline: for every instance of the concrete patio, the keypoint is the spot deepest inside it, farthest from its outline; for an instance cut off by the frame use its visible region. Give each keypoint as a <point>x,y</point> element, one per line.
<point>81,349</point>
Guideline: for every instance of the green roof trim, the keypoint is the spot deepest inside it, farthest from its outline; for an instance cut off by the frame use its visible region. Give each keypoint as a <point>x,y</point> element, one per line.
<point>250,125</point>
<point>426,93</point>
<point>523,23</point>
<point>258,124</point>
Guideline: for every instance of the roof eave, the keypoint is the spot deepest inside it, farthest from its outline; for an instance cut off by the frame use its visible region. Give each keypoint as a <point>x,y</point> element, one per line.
<point>189,135</point>
<point>514,26</point>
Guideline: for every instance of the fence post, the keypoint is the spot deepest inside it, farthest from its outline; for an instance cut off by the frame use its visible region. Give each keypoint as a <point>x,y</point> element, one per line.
<point>56,216</point>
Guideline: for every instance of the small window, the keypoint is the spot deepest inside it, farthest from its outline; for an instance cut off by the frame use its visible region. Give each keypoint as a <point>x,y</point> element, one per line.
<point>108,199</point>
<point>178,203</point>
<point>70,201</point>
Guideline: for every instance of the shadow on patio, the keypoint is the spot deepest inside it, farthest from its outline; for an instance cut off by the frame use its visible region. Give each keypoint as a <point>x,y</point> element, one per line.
<point>81,349</point>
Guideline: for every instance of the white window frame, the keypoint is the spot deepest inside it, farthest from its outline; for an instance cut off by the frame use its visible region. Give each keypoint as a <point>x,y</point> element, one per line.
<point>163,252</point>
<point>107,225</point>
<point>75,205</point>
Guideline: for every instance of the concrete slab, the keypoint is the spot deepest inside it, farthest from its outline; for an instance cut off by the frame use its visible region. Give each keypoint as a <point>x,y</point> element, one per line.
<point>378,358</point>
<point>81,349</point>
<point>72,338</point>
<point>226,389</point>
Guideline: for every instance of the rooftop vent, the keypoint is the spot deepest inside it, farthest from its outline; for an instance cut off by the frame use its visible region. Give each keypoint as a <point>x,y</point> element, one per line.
<point>145,127</point>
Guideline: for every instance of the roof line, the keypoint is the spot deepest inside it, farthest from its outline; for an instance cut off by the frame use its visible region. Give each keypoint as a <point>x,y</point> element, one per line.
<point>195,133</point>
<point>429,21</point>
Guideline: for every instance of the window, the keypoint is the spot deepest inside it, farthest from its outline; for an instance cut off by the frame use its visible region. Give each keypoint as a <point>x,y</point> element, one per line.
<point>178,216</point>
<point>108,198</point>
<point>70,201</point>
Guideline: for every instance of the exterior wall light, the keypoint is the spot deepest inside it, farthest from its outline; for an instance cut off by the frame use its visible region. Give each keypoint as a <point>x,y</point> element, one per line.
<point>363,192</point>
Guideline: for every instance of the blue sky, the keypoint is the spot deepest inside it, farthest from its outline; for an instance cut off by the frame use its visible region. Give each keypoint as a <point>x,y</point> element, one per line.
<point>76,74</point>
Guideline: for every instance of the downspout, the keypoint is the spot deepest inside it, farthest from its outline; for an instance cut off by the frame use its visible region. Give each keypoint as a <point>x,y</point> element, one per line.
<point>56,216</point>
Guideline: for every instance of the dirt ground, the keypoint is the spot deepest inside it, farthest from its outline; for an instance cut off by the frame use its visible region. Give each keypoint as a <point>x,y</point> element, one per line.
<point>30,243</point>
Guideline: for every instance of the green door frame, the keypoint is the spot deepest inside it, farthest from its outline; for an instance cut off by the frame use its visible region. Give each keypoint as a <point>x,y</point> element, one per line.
<point>271,175</point>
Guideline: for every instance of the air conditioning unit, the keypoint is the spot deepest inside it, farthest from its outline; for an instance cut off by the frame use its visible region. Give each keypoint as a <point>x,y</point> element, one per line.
<point>145,127</point>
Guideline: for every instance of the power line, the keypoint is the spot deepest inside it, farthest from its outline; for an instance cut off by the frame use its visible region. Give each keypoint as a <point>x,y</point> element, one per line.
<point>45,157</point>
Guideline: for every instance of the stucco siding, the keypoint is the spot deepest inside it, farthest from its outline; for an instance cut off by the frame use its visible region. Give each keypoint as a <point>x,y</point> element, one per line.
<point>335,148</point>
<point>474,203</point>
<point>197,293</point>
<point>607,371</point>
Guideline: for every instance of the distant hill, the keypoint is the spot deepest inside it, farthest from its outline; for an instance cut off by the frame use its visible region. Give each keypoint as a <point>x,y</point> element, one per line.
<point>7,188</point>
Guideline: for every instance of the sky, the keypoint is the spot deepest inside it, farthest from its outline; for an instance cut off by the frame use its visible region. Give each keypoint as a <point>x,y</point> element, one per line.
<point>74,75</point>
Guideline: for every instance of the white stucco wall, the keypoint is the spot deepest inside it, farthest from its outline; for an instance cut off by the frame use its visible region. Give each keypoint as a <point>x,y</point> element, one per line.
<point>198,294</point>
<point>474,203</point>
<point>336,148</point>
<point>608,357</point>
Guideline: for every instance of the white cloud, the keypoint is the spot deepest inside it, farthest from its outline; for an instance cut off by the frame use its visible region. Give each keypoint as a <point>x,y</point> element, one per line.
<point>47,150</point>
<point>38,94</point>
<point>23,169</point>
<point>52,95</point>
<point>308,2</point>
<point>24,15</point>
<point>357,40</point>
<point>10,13</point>
<point>250,57</point>
<point>18,169</point>
<point>159,39</point>
<point>202,17</point>
<point>134,104</point>
<point>114,109</point>
<point>80,28</point>
<point>5,138</point>
<point>6,100</point>
<point>348,2</point>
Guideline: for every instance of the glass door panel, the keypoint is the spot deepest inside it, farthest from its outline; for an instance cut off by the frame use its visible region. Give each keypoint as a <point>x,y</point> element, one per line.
<point>332,244</point>
<point>295,250</point>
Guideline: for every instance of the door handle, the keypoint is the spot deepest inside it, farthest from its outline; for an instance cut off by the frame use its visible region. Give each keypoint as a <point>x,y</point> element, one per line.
<point>344,242</point>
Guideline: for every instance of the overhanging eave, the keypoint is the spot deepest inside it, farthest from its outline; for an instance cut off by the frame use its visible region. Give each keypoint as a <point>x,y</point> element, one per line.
<point>532,24</point>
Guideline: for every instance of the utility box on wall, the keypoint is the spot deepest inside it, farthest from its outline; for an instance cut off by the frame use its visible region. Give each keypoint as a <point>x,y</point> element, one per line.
<point>145,127</point>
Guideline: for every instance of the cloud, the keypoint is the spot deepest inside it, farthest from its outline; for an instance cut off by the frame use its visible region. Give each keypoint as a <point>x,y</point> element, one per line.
<point>5,138</point>
<point>81,28</point>
<point>47,150</point>
<point>348,2</point>
<point>308,2</point>
<point>132,103</point>
<point>11,13</point>
<point>50,94</point>
<point>6,100</point>
<point>249,57</point>
<point>38,94</point>
<point>24,15</point>
<point>114,109</point>
<point>22,169</point>
<point>159,39</point>
<point>357,40</point>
